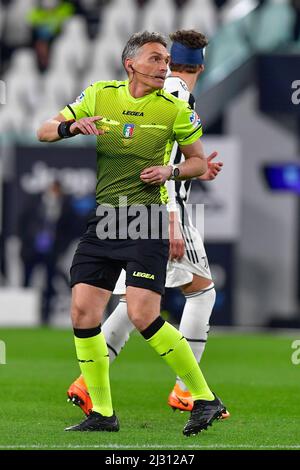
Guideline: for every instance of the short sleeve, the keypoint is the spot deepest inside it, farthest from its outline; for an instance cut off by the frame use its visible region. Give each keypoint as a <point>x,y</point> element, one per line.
<point>83,106</point>
<point>187,126</point>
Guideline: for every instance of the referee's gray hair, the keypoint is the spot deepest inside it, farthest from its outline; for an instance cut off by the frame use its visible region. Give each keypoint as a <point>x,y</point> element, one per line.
<point>137,40</point>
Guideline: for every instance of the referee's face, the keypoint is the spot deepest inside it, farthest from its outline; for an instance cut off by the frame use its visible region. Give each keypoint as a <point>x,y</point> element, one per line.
<point>150,65</point>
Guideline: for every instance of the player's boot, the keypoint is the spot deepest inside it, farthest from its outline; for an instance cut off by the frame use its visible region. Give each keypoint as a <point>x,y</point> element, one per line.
<point>79,395</point>
<point>96,422</point>
<point>182,400</point>
<point>203,414</point>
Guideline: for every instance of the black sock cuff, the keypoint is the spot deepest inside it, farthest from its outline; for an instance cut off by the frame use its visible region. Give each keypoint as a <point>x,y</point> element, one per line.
<point>87,332</point>
<point>153,328</point>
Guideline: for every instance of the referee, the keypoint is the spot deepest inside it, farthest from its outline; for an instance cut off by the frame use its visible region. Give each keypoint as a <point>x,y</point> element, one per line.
<point>136,123</point>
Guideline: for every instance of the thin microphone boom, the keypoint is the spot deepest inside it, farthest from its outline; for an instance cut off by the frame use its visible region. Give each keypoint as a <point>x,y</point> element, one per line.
<point>145,74</point>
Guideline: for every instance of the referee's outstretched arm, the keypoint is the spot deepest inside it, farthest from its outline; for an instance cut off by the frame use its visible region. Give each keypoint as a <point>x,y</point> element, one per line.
<point>58,128</point>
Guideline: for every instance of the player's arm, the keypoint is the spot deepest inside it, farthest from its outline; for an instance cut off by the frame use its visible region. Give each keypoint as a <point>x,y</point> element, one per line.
<point>176,242</point>
<point>58,128</point>
<point>213,168</point>
<point>176,245</point>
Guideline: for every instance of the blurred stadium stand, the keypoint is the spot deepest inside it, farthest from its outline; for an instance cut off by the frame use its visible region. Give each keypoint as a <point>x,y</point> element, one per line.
<point>257,277</point>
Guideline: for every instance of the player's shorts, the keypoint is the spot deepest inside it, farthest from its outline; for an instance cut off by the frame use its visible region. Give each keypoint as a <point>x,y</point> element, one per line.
<point>98,262</point>
<point>181,272</point>
<point>194,260</point>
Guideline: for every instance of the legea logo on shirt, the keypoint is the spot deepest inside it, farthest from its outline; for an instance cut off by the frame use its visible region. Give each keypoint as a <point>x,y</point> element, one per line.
<point>128,130</point>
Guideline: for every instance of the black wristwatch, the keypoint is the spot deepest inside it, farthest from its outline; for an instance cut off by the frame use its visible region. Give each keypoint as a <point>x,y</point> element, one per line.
<point>175,172</point>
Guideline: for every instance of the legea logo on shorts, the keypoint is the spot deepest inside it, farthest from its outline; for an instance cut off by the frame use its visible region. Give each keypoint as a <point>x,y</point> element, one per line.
<point>146,275</point>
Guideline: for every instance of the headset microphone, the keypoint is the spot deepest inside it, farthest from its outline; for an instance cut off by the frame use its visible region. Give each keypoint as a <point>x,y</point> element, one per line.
<point>141,73</point>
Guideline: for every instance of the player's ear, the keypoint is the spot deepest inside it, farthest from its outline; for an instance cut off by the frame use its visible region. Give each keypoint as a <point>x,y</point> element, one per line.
<point>200,70</point>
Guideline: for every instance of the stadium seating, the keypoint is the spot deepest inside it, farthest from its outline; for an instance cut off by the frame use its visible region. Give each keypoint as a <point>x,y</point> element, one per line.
<point>201,18</point>
<point>71,51</point>
<point>107,59</point>
<point>22,89</point>
<point>76,61</point>
<point>118,20</point>
<point>156,20</point>
<point>17,30</point>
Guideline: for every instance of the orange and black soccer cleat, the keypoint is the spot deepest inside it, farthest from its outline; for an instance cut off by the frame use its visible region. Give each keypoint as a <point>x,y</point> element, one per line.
<point>182,400</point>
<point>79,395</point>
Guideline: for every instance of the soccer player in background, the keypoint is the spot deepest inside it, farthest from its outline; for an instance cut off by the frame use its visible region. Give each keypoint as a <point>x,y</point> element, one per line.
<point>135,122</point>
<point>188,266</point>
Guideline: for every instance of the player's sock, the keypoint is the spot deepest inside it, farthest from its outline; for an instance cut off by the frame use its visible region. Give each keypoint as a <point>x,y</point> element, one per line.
<point>93,360</point>
<point>116,329</point>
<point>169,343</point>
<point>194,323</point>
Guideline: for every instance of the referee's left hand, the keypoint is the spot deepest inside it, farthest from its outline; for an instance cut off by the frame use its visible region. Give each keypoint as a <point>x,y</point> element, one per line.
<point>156,175</point>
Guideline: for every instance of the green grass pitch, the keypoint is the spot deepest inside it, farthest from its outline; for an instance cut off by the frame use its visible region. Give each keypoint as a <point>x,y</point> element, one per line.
<point>253,374</point>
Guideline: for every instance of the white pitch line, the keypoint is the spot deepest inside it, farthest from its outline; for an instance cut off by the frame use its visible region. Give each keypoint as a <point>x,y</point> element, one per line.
<point>152,446</point>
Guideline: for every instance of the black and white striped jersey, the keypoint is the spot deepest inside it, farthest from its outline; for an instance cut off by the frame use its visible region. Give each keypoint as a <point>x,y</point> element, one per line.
<point>177,87</point>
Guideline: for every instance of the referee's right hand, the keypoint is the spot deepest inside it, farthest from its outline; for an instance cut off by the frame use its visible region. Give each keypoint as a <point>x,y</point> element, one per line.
<point>86,126</point>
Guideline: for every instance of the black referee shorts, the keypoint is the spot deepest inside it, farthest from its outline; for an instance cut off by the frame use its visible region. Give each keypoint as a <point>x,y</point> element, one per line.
<point>98,262</point>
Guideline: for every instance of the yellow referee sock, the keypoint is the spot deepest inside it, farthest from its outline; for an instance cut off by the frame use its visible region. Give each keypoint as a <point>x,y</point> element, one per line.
<point>93,358</point>
<point>169,343</point>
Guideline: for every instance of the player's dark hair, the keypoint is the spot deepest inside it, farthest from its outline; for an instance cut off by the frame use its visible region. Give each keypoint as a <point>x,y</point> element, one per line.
<point>137,40</point>
<point>189,38</point>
